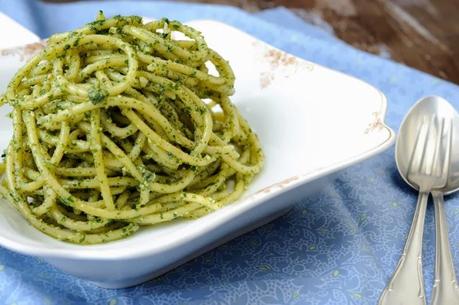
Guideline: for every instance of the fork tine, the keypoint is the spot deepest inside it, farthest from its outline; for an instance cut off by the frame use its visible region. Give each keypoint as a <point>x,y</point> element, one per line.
<point>423,166</point>
<point>435,164</point>
<point>416,147</point>
<point>447,159</point>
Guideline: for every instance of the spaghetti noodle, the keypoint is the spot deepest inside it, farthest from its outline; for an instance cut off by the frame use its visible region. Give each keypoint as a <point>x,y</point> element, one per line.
<point>120,124</point>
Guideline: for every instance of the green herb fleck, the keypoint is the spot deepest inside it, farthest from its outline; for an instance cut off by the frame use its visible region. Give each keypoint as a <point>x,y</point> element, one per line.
<point>67,201</point>
<point>96,95</point>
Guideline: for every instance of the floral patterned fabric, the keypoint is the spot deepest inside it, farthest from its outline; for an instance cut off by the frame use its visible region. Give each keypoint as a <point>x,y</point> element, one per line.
<point>338,246</point>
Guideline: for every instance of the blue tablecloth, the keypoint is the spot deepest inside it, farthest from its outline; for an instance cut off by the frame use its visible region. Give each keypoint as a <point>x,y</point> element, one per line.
<point>337,247</point>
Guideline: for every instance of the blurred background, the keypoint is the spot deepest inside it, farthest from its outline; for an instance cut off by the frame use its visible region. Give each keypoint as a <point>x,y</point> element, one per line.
<point>423,34</point>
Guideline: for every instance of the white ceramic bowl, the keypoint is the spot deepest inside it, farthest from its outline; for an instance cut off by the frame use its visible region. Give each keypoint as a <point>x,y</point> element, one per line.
<point>312,121</point>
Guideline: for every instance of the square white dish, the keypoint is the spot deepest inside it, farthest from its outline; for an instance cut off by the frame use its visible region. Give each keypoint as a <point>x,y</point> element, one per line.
<point>312,121</point>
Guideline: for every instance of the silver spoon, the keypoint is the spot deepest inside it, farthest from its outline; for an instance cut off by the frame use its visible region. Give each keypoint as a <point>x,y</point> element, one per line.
<point>422,156</point>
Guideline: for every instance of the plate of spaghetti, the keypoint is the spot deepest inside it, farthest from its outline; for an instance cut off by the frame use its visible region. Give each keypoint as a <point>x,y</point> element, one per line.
<point>135,145</point>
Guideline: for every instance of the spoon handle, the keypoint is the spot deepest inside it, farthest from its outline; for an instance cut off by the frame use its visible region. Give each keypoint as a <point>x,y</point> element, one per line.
<point>406,286</point>
<point>445,289</point>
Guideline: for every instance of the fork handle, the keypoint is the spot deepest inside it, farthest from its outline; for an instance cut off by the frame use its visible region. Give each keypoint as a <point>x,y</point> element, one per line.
<point>406,286</point>
<point>445,290</point>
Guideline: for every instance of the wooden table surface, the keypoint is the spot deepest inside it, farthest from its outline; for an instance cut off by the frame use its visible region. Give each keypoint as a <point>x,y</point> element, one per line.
<point>423,34</point>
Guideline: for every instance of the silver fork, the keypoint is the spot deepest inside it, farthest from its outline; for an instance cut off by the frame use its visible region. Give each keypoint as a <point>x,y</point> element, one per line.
<point>427,170</point>
<point>445,290</point>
